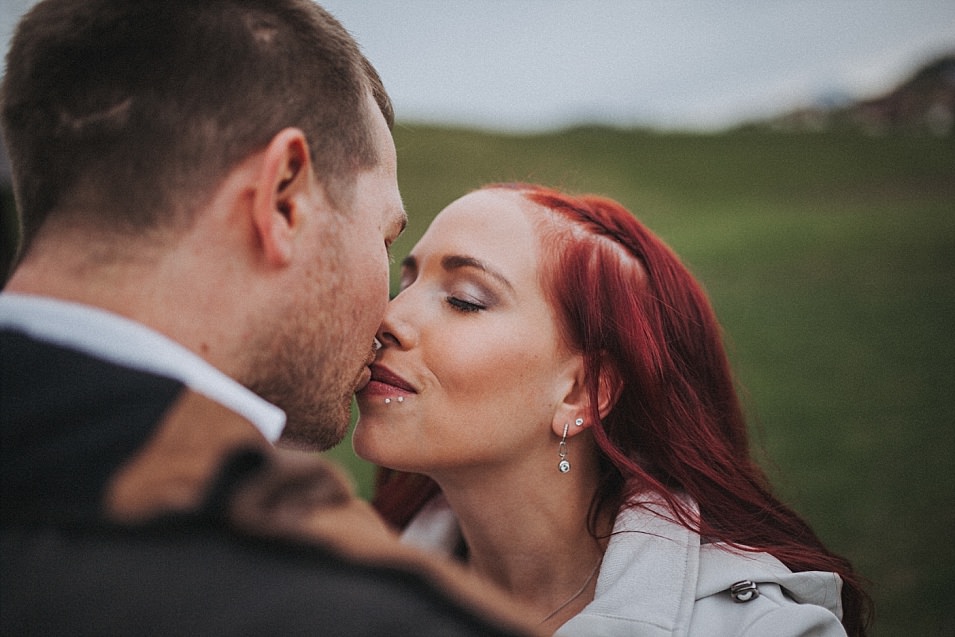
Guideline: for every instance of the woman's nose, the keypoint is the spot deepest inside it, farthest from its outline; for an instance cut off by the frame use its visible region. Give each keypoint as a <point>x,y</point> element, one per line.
<point>397,327</point>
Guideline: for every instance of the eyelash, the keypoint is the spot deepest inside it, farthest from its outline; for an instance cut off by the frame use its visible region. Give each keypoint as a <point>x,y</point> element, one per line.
<point>460,305</point>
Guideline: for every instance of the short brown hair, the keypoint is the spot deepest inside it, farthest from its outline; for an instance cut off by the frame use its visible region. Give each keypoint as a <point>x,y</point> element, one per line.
<point>134,111</point>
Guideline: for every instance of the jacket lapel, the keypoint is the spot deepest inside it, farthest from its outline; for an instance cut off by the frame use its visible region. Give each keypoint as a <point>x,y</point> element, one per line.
<point>172,472</point>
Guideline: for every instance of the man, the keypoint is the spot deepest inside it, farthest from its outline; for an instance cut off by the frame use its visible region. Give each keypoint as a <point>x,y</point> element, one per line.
<point>207,192</point>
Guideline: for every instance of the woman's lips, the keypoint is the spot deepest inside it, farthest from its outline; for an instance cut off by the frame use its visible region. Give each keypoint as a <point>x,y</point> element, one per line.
<point>383,380</point>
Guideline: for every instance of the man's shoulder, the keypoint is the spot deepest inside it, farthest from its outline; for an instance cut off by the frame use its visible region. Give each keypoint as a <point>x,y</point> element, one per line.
<point>68,419</point>
<point>32,366</point>
<point>186,575</point>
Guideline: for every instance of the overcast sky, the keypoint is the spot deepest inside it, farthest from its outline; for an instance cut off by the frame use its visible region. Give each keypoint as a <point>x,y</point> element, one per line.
<point>536,64</point>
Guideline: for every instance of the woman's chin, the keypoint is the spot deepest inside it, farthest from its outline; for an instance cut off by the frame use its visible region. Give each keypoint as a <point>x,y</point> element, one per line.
<point>364,443</point>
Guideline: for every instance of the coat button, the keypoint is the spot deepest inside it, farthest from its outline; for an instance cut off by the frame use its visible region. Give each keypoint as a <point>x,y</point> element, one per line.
<point>744,591</point>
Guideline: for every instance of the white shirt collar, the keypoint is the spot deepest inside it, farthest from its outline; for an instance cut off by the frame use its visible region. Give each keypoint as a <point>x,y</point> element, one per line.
<point>122,341</point>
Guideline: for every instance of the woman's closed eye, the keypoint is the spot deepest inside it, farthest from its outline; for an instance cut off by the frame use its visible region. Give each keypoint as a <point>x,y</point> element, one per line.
<point>462,305</point>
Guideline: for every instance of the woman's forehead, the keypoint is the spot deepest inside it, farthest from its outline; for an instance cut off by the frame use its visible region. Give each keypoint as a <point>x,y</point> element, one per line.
<point>487,220</point>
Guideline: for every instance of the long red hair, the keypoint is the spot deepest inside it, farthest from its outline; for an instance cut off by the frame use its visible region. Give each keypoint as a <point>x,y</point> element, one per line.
<point>644,325</point>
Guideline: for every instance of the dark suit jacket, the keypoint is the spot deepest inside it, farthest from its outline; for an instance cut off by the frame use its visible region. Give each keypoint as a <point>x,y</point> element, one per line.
<point>99,536</point>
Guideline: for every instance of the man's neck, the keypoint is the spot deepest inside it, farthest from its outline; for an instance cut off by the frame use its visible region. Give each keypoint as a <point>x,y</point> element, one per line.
<point>156,292</point>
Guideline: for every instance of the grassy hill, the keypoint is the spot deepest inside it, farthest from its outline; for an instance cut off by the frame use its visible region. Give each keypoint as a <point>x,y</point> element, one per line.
<point>830,258</point>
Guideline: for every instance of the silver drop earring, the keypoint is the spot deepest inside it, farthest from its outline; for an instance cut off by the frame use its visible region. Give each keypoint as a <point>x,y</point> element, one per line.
<point>564,465</point>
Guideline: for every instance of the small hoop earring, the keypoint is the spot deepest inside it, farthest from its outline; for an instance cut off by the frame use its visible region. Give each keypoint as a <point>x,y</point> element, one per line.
<point>564,465</point>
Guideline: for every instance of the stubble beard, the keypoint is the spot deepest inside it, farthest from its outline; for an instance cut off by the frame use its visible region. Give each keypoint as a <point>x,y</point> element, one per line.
<point>306,379</point>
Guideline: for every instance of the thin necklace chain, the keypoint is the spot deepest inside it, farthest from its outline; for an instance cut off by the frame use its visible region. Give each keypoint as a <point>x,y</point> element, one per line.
<point>577,594</point>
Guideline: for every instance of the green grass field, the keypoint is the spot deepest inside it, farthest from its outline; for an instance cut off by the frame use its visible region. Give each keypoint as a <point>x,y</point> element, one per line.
<point>830,259</point>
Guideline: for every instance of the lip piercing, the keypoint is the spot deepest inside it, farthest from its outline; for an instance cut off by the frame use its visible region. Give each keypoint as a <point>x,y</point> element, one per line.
<point>400,399</point>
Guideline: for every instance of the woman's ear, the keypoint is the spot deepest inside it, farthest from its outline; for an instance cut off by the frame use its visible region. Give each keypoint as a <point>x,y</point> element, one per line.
<point>282,185</point>
<point>574,405</point>
<point>611,386</point>
<point>575,408</point>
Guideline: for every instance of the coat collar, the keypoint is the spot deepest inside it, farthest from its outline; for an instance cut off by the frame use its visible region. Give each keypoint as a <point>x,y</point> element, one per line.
<point>651,559</point>
<point>173,471</point>
<point>122,341</point>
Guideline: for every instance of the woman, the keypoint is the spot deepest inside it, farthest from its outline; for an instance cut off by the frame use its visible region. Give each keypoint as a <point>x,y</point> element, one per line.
<point>554,404</point>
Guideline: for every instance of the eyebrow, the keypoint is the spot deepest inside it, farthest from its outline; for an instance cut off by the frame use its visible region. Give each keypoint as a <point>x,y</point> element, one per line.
<point>456,262</point>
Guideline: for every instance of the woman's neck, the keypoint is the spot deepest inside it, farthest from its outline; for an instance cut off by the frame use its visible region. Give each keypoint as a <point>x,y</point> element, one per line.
<point>531,538</point>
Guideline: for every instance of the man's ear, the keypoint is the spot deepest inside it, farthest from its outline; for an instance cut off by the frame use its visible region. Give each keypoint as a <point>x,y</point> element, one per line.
<point>576,404</point>
<point>282,185</point>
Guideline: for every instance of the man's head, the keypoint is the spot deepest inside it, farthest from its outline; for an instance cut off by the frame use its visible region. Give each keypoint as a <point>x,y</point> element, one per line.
<point>232,162</point>
<point>133,111</point>
<point>315,354</point>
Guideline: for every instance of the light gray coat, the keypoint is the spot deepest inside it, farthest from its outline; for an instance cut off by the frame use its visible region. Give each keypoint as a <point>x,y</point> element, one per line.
<point>658,579</point>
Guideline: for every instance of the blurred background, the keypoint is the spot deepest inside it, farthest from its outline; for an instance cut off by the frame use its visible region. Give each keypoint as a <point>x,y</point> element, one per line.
<point>798,155</point>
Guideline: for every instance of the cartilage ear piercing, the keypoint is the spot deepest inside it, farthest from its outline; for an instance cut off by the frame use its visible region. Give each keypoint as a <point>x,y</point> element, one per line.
<point>579,422</point>
<point>564,465</point>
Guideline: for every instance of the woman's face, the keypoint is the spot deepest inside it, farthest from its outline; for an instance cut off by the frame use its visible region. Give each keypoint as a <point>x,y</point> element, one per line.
<point>472,369</point>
